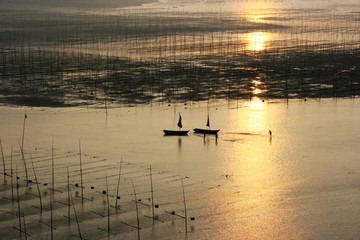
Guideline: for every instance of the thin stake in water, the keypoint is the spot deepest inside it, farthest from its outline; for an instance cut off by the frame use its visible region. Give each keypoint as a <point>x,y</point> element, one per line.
<point>118,185</point>
<point>24,227</point>
<point>137,210</point>
<point>18,200</point>
<point>37,183</point>
<point>23,133</point>
<point>51,215</point>
<point>76,218</point>
<point>12,174</point>
<point>182,184</point>
<point>152,196</point>
<point>108,204</point>
<point>3,159</point>
<point>24,161</point>
<point>68,187</point>
<point>52,167</point>
<point>81,174</point>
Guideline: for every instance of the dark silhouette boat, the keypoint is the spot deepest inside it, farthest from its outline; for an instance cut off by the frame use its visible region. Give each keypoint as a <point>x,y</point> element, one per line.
<point>176,132</point>
<point>206,131</point>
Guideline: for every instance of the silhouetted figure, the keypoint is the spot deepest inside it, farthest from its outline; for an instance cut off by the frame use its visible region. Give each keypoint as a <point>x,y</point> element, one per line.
<point>270,133</point>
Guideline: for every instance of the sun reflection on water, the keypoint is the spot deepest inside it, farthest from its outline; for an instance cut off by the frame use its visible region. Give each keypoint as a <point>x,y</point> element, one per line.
<point>256,176</point>
<point>257,41</point>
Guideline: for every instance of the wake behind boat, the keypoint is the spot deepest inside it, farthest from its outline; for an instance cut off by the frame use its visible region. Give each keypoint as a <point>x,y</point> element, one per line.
<point>176,132</point>
<point>206,131</point>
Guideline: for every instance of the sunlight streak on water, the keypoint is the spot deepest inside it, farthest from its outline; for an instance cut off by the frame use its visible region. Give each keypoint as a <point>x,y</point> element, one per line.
<point>257,41</point>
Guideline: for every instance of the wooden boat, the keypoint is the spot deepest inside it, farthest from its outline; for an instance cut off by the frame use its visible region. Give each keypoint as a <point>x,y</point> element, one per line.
<point>176,132</point>
<point>206,131</point>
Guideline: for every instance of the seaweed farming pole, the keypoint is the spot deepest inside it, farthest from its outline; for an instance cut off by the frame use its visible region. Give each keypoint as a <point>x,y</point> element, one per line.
<point>18,200</point>
<point>23,158</point>
<point>3,159</point>
<point>182,184</point>
<point>24,226</point>
<point>23,133</point>
<point>51,214</point>
<point>68,187</point>
<point>76,218</point>
<point>52,168</point>
<point>81,174</point>
<point>108,204</point>
<point>152,196</point>
<point>37,183</point>
<point>137,210</point>
<point>118,185</point>
<point>12,174</point>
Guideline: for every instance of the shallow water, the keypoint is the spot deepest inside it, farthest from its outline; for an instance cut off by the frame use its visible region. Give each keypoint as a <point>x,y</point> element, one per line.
<point>300,184</point>
<point>106,83</point>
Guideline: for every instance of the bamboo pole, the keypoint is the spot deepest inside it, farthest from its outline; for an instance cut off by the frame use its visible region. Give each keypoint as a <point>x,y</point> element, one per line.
<point>51,215</point>
<point>118,185</point>
<point>24,161</point>
<point>76,218</point>
<point>52,167</point>
<point>81,174</point>
<point>37,183</point>
<point>3,159</point>
<point>24,227</point>
<point>23,132</point>
<point>182,184</point>
<point>12,174</point>
<point>68,187</point>
<point>152,196</point>
<point>137,210</point>
<point>18,200</point>
<point>108,203</point>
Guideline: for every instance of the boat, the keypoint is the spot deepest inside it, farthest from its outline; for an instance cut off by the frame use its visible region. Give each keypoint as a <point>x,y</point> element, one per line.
<point>207,131</point>
<point>176,132</point>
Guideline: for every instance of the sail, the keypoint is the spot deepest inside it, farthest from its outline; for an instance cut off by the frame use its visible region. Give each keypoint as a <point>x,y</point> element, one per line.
<point>179,123</point>
<point>208,122</point>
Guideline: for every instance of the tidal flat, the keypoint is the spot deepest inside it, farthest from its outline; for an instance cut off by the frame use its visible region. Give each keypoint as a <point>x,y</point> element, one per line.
<point>86,93</point>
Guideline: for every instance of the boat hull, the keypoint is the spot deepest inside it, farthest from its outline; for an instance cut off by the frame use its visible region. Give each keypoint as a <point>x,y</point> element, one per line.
<point>206,131</point>
<point>175,132</point>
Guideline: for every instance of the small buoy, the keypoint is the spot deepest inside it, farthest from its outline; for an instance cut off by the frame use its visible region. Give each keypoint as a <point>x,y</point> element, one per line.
<point>192,218</point>
<point>104,192</point>
<point>156,206</point>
